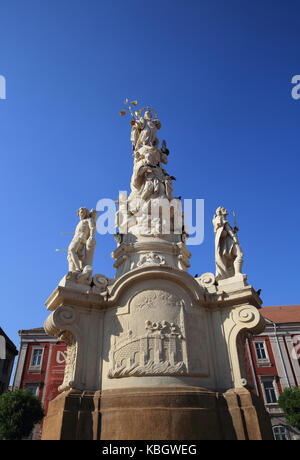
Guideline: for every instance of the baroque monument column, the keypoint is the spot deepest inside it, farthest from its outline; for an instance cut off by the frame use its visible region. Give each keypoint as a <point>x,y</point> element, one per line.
<point>154,353</point>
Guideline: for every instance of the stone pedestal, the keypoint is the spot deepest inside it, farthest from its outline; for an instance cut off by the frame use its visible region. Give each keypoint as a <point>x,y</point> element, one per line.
<point>159,355</point>
<point>160,413</point>
<point>136,251</point>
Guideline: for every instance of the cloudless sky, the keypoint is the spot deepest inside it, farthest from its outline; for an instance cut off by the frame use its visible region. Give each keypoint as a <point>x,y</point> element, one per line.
<point>219,75</point>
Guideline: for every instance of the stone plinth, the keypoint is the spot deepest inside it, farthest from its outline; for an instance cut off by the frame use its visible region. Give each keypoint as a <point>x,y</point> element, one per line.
<point>135,251</point>
<point>160,348</point>
<point>160,413</point>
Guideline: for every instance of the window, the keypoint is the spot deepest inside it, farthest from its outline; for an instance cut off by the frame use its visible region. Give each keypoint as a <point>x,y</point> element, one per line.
<point>6,366</point>
<point>33,388</point>
<point>281,433</point>
<point>269,390</point>
<point>36,358</point>
<point>260,350</point>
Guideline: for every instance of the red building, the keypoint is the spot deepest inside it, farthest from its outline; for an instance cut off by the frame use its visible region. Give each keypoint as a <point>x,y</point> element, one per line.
<point>40,367</point>
<point>273,362</point>
<point>272,358</point>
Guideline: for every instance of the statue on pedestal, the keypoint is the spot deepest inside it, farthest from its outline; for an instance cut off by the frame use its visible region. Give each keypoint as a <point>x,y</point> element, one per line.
<point>228,252</point>
<point>82,247</point>
<point>149,179</point>
<point>150,183</point>
<point>146,128</point>
<point>154,333</point>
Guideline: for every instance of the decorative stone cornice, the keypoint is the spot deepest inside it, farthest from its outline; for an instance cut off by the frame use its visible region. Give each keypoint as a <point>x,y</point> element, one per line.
<point>164,272</point>
<point>67,296</point>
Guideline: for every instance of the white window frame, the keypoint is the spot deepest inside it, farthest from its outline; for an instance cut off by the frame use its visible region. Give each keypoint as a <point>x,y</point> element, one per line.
<point>286,434</point>
<point>36,368</point>
<point>265,378</point>
<point>262,361</point>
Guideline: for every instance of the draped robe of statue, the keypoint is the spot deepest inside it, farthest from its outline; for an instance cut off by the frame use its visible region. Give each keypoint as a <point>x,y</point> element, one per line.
<point>148,178</point>
<point>135,133</point>
<point>148,130</point>
<point>228,253</point>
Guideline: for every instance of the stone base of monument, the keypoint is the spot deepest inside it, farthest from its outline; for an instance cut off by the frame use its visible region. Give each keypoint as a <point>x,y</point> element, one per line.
<point>157,355</point>
<point>160,413</point>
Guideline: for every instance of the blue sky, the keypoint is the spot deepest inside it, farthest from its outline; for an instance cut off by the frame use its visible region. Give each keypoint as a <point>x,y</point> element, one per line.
<point>219,75</point>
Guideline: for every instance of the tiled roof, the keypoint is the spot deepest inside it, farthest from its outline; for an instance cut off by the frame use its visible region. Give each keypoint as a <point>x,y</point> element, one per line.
<point>282,313</point>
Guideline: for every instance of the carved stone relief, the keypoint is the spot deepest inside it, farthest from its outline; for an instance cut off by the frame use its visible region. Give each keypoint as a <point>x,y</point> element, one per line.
<point>151,259</point>
<point>157,352</point>
<point>154,299</point>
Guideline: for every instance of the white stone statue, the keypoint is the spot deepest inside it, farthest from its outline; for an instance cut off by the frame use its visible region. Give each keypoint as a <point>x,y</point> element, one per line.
<point>228,252</point>
<point>151,185</point>
<point>148,180</point>
<point>146,128</point>
<point>82,247</point>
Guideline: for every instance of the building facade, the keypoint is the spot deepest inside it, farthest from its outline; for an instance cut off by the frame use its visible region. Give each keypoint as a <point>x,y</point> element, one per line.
<point>273,363</point>
<point>8,352</point>
<point>40,367</point>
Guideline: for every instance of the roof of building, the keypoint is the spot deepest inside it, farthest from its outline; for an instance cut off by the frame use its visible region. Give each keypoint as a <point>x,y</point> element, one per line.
<point>35,330</point>
<point>9,342</point>
<point>282,313</point>
<point>36,334</point>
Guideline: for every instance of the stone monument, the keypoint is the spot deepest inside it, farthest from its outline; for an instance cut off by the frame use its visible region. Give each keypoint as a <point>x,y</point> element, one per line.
<point>154,353</point>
